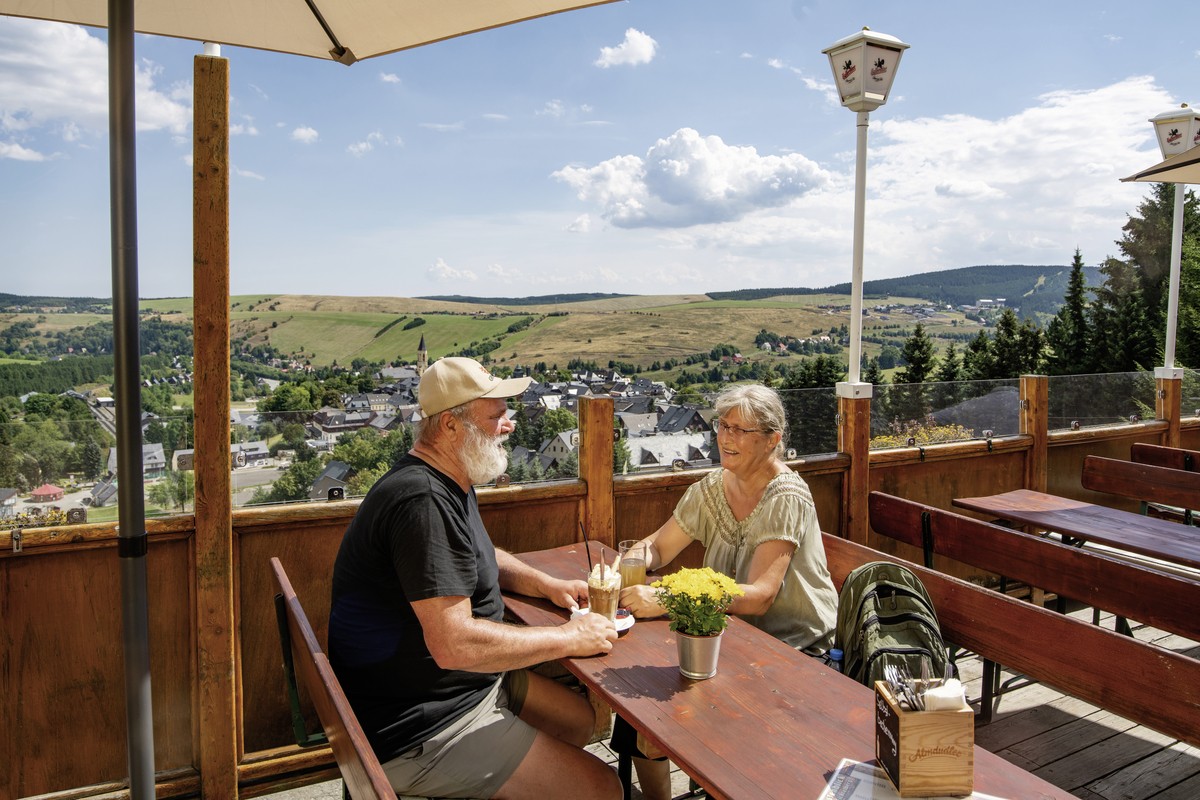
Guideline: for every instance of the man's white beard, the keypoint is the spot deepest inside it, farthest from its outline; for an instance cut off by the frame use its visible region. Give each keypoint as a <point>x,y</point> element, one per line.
<point>483,456</point>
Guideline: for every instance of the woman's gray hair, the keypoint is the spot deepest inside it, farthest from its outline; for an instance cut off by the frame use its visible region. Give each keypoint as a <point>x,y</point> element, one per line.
<point>759,404</point>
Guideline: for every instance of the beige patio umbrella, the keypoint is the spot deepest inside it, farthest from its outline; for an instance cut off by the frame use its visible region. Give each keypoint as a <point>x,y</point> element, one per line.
<point>1180,168</point>
<point>338,30</point>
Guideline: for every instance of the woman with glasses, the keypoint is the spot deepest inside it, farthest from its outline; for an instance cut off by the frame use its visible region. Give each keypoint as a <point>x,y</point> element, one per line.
<point>757,522</point>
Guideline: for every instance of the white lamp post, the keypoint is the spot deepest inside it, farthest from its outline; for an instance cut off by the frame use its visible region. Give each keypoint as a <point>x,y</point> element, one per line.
<point>1177,131</point>
<point>864,65</point>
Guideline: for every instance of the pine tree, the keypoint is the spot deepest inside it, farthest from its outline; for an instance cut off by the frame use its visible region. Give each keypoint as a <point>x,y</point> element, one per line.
<point>978,362</point>
<point>1124,339</point>
<point>919,358</point>
<point>1146,243</point>
<point>1068,336</point>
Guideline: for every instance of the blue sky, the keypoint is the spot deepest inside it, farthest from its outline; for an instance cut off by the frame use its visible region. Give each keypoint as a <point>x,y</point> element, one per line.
<point>646,147</point>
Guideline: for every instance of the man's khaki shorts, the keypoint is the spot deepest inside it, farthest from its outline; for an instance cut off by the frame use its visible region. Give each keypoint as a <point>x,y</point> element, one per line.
<point>476,754</point>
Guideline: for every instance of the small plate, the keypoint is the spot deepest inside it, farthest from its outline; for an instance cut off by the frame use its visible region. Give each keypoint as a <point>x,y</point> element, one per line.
<point>624,619</point>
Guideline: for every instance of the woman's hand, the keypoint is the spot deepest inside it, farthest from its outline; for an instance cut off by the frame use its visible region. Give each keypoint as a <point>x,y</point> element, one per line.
<point>642,601</point>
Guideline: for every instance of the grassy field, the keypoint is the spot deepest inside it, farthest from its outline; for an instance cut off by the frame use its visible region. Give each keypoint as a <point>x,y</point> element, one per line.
<point>635,330</point>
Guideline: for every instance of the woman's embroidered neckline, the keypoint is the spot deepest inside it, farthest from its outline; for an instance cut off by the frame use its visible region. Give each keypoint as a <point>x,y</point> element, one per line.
<point>730,529</point>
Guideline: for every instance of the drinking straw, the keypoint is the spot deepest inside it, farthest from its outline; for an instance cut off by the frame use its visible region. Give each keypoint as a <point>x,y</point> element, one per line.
<point>586,548</point>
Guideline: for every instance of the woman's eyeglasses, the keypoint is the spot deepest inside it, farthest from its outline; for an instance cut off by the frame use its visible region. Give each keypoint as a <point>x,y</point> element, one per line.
<point>735,431</point>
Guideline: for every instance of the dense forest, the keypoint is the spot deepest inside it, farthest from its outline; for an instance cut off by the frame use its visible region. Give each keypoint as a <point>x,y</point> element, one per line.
<point>1032,289</point>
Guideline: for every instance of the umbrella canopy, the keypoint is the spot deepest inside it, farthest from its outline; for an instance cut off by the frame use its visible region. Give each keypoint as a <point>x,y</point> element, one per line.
<point>337,30</point>
<point>1180,168</point>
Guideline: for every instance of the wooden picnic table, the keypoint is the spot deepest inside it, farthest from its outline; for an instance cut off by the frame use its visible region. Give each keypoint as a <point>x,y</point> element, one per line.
<point>1124,530</point>
<point>771,723</point>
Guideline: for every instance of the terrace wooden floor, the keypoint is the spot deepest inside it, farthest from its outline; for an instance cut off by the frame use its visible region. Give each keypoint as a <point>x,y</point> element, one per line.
<point>1090,752</point>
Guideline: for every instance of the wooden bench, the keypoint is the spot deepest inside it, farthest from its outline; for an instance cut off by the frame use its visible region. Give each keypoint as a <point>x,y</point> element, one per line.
<point>362,774</point>
<point>1144,683</point>
<point>1160,599</point>
<point>1145,482</point>
<point>1170,457</point>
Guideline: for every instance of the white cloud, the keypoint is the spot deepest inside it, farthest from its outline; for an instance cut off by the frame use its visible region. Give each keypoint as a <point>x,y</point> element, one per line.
<point>243,128</point>
<point>443,127</point>
<point>305,135</point>
<point>581,224</point>
<point>496,117</point>
<point>54,80</point>
<point>503,273</point>
<point>359,149</point>
<point>389,77</point>
<point>637,48</point>
<point>18,153</point>
<point>245,173</point>
<point>686,179</point>
<point>441,271</point>
<point>553,108</point>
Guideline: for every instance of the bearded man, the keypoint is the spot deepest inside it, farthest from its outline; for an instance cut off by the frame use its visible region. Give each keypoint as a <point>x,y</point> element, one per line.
<point>416,631</point>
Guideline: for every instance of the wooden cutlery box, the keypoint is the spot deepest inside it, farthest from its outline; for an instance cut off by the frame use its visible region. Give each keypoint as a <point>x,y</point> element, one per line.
<point>925,753</point>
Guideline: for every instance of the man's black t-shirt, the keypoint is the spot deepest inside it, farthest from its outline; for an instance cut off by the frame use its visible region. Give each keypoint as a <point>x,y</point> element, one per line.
<point>416,535</point>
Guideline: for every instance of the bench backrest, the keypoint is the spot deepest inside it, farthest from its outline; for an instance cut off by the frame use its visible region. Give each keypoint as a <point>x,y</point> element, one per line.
<point>361,771</point>
<point>1159,456</point>
<point>1160,599</point>
<point>1146,482</point>
<point>1149,685</point>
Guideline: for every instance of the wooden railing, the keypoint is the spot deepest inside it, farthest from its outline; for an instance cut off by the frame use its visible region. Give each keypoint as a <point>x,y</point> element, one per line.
<point>62,725</point>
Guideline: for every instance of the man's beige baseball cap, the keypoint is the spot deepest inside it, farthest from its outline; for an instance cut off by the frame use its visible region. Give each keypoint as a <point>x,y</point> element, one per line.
<point>452,381</point>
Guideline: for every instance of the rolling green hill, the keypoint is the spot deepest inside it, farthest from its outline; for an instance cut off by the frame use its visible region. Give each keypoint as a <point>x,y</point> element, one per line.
<point>637,330</point>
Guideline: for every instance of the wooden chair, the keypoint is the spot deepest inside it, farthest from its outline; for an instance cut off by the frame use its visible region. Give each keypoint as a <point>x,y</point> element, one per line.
<point>1162,487</point>
<point>305,664</point>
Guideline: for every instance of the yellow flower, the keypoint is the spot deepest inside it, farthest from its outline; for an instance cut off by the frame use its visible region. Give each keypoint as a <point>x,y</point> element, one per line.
<point>697,600</point>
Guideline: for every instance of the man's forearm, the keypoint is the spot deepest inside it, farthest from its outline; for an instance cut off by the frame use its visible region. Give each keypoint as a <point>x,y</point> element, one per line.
<point>517,576</point>
<point>486,646</point>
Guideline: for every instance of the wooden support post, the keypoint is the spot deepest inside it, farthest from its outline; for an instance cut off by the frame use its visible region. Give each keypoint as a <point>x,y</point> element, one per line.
<point>1168,406</point>
<point>217,696</point>
<point>595,467</point>
<point>1035,422</point>
<point>854,439</point>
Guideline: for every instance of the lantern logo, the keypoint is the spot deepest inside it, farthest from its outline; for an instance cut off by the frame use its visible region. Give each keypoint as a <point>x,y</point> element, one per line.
<point>879,69</point>
<point>848,71</point>
<point>1173,136</point>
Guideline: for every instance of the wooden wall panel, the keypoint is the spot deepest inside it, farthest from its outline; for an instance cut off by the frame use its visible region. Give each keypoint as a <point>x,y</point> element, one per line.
<point>62,670</point>
<point>307,551</point>
<point>533,524</point>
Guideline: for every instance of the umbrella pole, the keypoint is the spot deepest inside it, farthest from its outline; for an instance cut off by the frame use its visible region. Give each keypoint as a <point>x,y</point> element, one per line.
<point>132,540</point>
<point>1173,290</point>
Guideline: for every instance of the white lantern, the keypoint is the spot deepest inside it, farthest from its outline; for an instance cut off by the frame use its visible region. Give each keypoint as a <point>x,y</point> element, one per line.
<point>864,65</point>
<point>1177,131</point>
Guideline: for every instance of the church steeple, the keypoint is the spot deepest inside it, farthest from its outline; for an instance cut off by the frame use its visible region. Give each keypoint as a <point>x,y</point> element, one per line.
<point>422,356</point>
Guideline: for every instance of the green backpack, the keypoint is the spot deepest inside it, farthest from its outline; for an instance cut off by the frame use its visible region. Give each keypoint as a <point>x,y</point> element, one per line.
<point>885,616</point>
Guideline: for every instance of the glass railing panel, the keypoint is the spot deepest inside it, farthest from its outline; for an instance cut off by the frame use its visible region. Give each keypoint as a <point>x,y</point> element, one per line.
<point>1190,396</point>
<point>920,414</point>
<point>657,434</point>
<point>812,421</point>
<point>65,471</point>
<point>1087,401</point>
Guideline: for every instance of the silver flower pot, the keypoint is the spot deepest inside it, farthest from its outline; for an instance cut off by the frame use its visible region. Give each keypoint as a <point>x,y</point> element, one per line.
<point>698,655</point>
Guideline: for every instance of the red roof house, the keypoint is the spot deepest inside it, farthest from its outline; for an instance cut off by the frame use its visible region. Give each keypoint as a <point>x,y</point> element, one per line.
<point>47,493</point>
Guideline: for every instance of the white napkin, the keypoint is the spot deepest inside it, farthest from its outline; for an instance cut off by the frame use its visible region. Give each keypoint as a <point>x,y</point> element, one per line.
<point>947,697</point>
